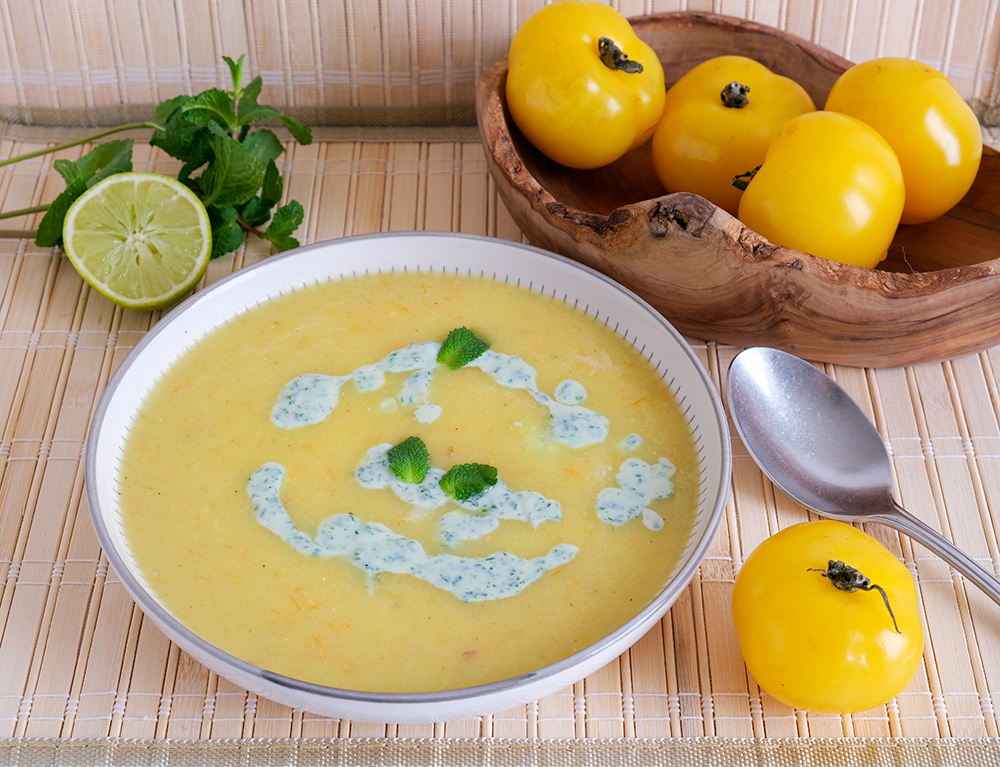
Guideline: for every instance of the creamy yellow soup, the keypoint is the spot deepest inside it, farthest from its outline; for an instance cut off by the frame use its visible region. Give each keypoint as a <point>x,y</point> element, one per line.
<point>260,502</point>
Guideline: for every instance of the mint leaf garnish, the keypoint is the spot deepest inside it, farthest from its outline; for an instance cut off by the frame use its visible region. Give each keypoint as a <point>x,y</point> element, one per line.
<point>468,479</point>
<point>460,348</point>
<point>409,460</point>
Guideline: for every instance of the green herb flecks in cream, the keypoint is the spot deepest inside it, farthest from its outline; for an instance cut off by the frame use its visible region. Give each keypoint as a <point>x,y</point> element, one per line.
<point>374,548</point>
<point>310,398</point>
<point>484,499</point>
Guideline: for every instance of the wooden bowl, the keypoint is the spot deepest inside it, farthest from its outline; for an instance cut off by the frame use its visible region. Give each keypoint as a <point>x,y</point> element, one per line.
<point>936,296</point>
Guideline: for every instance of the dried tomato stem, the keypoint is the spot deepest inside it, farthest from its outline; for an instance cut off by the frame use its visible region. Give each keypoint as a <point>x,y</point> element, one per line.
<point>735,96</point>
<point>614,57</point>
<point>847,578</point>
<point>743,180</point>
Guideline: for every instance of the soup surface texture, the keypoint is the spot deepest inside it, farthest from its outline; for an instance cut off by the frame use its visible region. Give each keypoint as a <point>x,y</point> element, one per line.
<point>262,506</point>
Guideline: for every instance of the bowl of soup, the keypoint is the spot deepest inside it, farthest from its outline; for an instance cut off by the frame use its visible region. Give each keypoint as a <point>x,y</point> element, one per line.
<point>408,477</point>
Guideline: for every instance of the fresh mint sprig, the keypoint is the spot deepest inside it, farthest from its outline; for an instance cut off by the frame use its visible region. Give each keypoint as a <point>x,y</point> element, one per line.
<point>227,160</point>
<point>239,181</point>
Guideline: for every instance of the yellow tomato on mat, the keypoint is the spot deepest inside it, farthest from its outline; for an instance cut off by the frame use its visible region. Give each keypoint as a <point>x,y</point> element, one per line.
<point>718,121</point>
<point>827,618</point>
<point>830,186</point>
<point>581,86</point>
<point>933,132</point>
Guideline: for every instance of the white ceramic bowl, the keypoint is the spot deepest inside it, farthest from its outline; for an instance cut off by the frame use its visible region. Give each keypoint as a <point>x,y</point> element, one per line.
<point>542,271</point>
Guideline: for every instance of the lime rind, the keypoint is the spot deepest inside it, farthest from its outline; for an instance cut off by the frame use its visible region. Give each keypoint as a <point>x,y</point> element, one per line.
<point>143,240</point>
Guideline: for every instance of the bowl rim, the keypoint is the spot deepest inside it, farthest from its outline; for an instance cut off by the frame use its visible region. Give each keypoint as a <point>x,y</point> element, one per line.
<point>249,672</point>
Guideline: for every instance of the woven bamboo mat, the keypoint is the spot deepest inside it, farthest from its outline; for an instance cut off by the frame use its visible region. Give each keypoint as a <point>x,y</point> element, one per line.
<point>81,669</point>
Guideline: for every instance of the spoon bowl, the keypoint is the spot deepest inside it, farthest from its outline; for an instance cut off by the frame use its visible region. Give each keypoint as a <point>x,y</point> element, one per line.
<point>814,442</point>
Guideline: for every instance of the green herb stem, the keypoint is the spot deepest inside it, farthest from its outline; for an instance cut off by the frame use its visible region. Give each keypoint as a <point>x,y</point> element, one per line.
<point>248,227</point>
<point>85,140</point>
<point>24,211</point>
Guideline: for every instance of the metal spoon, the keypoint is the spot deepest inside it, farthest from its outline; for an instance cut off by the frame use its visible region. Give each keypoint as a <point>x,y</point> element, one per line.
<point>817,445</point>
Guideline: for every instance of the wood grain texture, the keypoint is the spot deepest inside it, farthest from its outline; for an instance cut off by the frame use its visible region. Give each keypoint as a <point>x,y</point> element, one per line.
<point>935,297</point>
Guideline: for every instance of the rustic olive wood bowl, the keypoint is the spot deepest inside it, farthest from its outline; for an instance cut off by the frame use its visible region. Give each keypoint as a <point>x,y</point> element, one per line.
<point>937,295</point>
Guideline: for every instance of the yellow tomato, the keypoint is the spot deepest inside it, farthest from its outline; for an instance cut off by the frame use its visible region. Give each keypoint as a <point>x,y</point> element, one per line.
<point>830,186</point>
<point>933,132</point>
<point>718,121</point>
<point>581,86</point>
<point>814,646</point>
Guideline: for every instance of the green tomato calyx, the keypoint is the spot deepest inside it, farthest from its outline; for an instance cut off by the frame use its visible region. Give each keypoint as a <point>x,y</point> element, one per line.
<point>615,58</point>
<point>847,578</point>
<point>735,96</point>
<point>743,180</point>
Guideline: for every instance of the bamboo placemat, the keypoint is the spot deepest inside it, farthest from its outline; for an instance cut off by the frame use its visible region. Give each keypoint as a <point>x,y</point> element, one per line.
<point>85,679</point>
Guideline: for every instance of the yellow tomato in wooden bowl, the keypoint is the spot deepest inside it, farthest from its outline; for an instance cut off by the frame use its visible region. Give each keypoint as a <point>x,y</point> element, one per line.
<point>718,120</point>
<point>581,86</point>
<point>933,131</point>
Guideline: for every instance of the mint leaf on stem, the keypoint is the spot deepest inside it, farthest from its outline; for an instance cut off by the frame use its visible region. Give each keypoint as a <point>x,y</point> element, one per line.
<point>211,106</point>
<point>227,234</point>
<point>99,163</point>
<point>265,146</point>
<point>465,480</point>
<point>233,174</point>
<point>236,73</point>
<point>300,131</point>
<point>460,348</point>
<point>258,209</point>
<point>286,220</point>
<point>409,461</point>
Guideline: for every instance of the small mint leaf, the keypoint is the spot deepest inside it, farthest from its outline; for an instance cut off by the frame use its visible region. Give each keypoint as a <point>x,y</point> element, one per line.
<point>254,112</point>
<point>300,131</point>
<point>67,169</point>
<point>460,348</point>
<point>286,220</point>
<point>465,480</point>
<point>409,461</point>
<point>50,227</point>
<point>211,106</point>
<point>227,235</point>
<point>168,107</point>
<point>251,92</point>
<point>265,145</point>
<point>234,174</point>
<point>235,73</point>
<point>178,137</point>
<point>258,210</point>
<point>100,162</point>
<point>273,186</point>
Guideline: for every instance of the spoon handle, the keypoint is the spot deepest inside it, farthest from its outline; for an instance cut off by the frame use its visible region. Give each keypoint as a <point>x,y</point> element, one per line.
<point>901,520</point>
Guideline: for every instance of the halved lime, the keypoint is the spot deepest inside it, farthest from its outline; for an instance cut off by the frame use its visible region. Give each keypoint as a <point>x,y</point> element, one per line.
<point>142,240</point>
